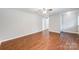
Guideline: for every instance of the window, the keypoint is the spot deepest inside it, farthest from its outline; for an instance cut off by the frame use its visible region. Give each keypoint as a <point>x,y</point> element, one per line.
<point>45,23</point>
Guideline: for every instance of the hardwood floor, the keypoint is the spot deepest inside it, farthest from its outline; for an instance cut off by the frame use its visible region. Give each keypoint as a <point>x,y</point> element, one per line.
<point>43,41</point>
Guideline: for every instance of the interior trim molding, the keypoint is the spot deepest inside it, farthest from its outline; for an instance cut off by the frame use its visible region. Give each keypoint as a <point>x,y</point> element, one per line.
<point>20,36</point>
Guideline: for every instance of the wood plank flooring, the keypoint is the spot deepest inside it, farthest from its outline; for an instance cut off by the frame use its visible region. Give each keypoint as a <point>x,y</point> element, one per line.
<point>43,41</point>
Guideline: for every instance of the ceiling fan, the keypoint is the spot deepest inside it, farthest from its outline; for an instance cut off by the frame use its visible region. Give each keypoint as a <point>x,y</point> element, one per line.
<point>45,12</point>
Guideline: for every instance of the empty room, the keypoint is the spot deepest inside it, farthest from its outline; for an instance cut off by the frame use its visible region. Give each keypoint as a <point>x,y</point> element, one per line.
<point>39,28</point>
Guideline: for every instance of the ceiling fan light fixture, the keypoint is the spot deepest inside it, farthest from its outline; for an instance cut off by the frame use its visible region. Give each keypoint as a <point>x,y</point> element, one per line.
<point>50,9</point>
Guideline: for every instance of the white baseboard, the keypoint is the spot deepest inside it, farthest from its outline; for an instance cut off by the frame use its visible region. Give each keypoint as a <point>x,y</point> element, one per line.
<point>54,31</point>
<point>19,36</point>
<point>72,32</point>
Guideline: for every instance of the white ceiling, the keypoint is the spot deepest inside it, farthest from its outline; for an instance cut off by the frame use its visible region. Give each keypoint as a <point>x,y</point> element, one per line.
<point>54,10</point>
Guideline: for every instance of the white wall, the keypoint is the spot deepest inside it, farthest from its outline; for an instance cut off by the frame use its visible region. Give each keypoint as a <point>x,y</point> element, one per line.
<point>70,22</point>
<point>54,23</point>
<point>78,23</point>
<point>15,23</point>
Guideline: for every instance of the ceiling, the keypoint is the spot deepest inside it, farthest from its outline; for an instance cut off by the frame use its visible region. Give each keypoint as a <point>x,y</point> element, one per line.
<point>51,11</point>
